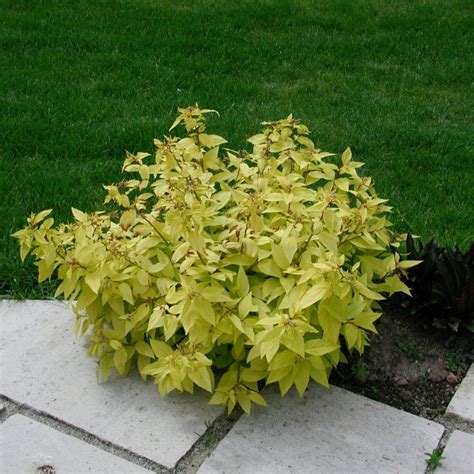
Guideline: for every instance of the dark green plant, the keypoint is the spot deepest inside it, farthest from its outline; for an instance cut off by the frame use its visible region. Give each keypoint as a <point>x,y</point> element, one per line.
<point>442,285</point>
<point>454,360</point>
<point>434,458</point>
<point>409,348</point>
<point>374,393</point>
<point>359,370</point>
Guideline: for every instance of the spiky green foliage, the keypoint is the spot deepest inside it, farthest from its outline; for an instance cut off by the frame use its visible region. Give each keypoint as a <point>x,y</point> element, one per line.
<point>443,285</point>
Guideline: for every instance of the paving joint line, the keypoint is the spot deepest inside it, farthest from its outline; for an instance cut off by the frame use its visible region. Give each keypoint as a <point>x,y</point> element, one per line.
<point>451,423</point>
<point>190,462</point>
<point>12,407</point>
<point>454,422</point>
<point>440,446</point>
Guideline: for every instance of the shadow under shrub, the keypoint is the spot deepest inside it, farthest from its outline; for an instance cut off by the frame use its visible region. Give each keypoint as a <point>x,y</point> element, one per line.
<point>226,270</point>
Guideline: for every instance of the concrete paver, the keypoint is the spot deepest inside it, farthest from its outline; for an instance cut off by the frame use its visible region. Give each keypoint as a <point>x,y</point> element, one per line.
<point>43,365</point>
<point>462,404</point>
<point>26,446</point>
<point>458,454</point>
<point>327,431</point>
<point>331,431</point>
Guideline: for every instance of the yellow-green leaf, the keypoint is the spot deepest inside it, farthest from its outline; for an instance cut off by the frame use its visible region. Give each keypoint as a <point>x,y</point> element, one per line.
<point>160,348</point>
<point>313,295</point>
<point>144,349</point>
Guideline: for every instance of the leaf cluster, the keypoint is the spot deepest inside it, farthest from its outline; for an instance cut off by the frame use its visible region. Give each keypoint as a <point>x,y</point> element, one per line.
<point>442,285</point>
<point>226,270</point>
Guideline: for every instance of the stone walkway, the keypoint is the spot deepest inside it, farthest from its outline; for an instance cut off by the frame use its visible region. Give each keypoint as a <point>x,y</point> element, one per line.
<point>55,417</point>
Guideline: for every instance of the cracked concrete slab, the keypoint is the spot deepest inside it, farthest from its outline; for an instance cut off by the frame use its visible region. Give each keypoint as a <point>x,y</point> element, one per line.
<point>462,404</point>
<point>29,446</point>
<point>326,431</point>
<point>43,365</point>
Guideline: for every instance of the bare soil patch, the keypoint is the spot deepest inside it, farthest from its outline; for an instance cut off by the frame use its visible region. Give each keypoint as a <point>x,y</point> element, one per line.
<point>407,366</point>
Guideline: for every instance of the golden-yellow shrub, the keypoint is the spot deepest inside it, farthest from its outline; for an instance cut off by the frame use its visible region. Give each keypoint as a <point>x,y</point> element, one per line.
<point>250,268</point>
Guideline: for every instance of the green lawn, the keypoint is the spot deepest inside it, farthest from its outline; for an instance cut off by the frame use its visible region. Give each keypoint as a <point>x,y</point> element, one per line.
<point>83,81</point>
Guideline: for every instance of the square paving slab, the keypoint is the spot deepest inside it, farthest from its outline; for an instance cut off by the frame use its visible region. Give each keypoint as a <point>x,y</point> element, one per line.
<point>327,431</point>
<point>462,404</point>
<point>27,446</point>
<point>43,365</point>
<point>458,455</point>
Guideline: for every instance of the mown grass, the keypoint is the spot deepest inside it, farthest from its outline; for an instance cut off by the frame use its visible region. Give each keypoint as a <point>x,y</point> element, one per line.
<point>83,81</point>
